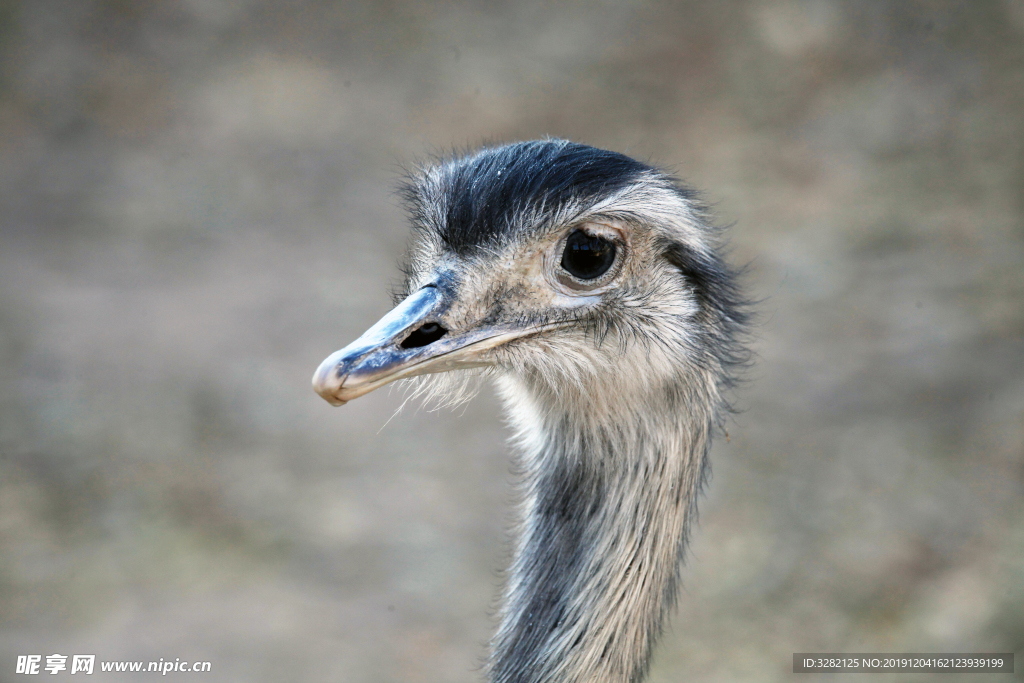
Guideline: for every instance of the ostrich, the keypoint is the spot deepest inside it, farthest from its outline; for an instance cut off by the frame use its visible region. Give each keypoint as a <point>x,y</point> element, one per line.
<point>590,287</point>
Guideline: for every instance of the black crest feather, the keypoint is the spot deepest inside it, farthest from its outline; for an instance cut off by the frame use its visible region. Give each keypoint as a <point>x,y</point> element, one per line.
<point>481,191</point>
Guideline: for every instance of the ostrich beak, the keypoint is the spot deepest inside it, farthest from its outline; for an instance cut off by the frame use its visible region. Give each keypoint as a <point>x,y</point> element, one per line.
<point>406,342</point>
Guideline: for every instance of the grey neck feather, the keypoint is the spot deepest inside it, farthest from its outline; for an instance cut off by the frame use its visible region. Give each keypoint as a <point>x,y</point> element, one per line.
<point>606,507</point>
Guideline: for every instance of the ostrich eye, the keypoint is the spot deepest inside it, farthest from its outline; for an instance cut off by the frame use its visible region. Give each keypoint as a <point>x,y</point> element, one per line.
<point>587,256</point>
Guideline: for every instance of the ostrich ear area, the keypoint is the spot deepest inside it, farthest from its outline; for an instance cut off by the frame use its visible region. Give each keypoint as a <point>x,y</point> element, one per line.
<point>407,342</point>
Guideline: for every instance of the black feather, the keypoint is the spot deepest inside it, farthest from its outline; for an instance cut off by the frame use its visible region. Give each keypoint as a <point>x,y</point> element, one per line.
<point>482,191</point>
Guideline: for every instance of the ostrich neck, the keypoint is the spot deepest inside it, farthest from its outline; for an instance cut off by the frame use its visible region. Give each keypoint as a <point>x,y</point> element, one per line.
<point>607,503</point>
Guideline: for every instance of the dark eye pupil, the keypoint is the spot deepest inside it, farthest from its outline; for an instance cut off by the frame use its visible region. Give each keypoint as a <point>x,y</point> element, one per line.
<point>586,256</point>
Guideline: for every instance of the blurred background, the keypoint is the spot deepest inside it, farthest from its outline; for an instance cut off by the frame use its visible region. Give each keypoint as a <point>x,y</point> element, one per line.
<point>196,207</point>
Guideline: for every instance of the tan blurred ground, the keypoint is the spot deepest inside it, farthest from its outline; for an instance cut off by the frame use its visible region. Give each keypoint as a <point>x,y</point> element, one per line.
<point>196,208</point>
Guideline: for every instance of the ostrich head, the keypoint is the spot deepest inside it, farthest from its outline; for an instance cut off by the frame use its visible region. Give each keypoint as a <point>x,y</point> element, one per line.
<point>589,285</point>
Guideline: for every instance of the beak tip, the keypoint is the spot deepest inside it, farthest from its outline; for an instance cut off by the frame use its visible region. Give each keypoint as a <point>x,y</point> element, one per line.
<point>327,394</point>
<point>327,383</point>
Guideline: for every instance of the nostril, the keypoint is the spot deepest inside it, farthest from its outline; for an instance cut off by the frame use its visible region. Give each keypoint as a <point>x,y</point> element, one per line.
<point>427,334</point>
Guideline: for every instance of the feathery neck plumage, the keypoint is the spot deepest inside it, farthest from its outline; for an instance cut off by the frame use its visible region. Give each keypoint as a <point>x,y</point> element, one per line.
<point>606,506</point>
